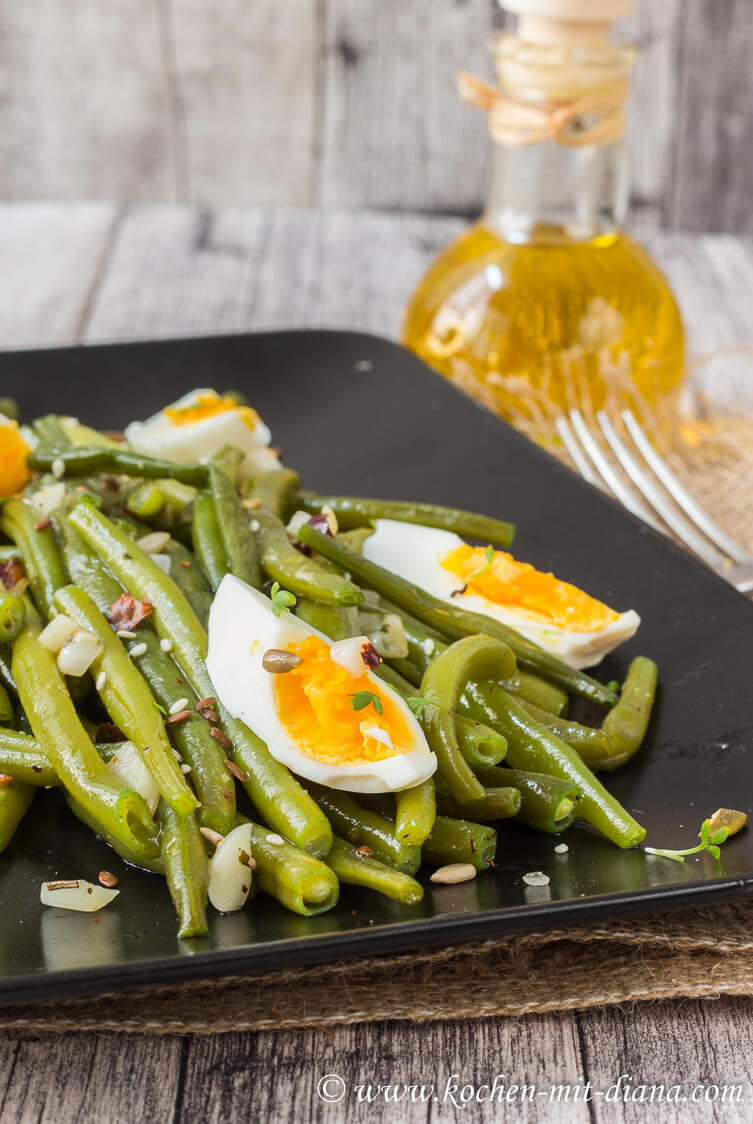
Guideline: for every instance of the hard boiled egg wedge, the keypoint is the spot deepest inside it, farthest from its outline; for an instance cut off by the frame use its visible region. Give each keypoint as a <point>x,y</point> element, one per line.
<point>557,616</point>
<point>200,424</point>
<point>14,450</point>
<point>338,725</point>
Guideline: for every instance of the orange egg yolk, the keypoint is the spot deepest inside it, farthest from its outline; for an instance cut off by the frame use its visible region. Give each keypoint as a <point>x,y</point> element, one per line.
<point>13,453</point>
<point>517,585</point>
<point>315,705</point>
<point>209,406</point>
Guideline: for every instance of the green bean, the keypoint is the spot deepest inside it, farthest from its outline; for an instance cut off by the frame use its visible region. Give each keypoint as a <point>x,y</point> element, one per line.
<point>22,759</point>
<point>188,575</point>
<point>335,621</point>
<point>453,621</point>
<point>36,542</point>
<point>12,613</point>
<point>278,796</point>
<point>68,748</point>
<point>624,728</point>
<point>532,689</point>
<point>83,435</point>
<point>444,681</point>
<point>460,841</point>
<point>6,676</point>
<point>15,800</point>
<point>591,742</point>
<point>146,500</point>
<point>294,571</point>
<point>207,541</point>
<point>548,804</point>
<point>364,828</point>
<point>50,431</point>
<point>300,882</point>
<point>152,862</point>
<point>88,461</point>
<point>128,700</point>
<point>415,812</point>
<point>534,749</point>
<point>186,868</point>
<point>9,407</point>
<point>354,512</point>
<point>499,803</point>
<point>358,870</point>
<point>233,522</point>
<point>276,490</point>
<point>7,713</point>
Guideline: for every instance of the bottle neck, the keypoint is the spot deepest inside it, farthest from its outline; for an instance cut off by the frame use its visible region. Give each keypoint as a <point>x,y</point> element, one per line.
<point>551,192</point>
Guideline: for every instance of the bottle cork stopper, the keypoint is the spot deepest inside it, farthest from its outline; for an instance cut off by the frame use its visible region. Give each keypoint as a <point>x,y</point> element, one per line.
<point>567,21</point>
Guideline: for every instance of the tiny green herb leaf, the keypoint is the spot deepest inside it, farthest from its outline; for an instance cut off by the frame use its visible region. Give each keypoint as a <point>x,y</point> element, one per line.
<point>489,558</point>
<point>281,599</point>
<point>418,704</point>
<point>161,709</point>
<point>362,699</point>
<point>708,843</point>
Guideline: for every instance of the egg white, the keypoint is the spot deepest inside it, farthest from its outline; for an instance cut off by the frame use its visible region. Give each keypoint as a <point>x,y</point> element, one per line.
<point>199,440</point>
<point>415,553</point>
<point>242,626</point>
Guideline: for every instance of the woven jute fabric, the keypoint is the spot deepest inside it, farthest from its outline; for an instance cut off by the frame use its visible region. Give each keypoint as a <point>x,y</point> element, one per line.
<point>697,953</point>
<point>700,953</point>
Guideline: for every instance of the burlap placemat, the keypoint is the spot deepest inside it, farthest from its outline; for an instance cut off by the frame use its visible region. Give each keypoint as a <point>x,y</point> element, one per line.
<point>706,952</point>
<point>696,953</point>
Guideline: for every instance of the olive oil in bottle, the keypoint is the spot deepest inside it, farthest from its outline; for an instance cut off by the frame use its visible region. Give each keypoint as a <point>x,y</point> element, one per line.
<point>545,303</point>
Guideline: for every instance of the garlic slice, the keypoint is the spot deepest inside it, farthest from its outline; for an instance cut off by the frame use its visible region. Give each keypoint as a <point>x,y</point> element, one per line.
<point>230,870</point>
<point>76,893</point>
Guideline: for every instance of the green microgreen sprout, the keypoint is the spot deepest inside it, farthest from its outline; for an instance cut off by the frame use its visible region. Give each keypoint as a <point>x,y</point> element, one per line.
<point>362,699</point>
<point>418,704</point>
<point>488,559</point>
<point>710,841</point>
<point>282,600</point>
<point>161,709</point>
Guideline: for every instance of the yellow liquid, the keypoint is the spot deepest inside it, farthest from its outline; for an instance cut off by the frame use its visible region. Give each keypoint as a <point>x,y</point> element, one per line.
<point>548,324</point>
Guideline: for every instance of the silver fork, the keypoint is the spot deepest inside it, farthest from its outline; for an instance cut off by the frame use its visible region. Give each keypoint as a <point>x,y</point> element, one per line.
<point>649,489</point>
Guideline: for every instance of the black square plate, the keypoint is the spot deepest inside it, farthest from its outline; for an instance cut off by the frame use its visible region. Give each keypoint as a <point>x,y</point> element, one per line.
<point>359,415</point>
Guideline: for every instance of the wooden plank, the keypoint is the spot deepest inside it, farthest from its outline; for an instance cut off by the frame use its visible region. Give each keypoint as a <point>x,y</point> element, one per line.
<point>246,76</point>
<point>394,132</point>
<point>88,1078</point>
<point>277,1074</point>
<point>688,1043</point>
<point>51,257</point>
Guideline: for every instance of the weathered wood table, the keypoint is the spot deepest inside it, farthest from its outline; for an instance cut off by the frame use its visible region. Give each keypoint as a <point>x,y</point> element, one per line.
<point>86,273</point>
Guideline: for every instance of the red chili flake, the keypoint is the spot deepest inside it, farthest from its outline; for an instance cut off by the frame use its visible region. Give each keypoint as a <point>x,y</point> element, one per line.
<point>181,716</point>
<point>237,773</point>
<point>370,656</point>
<point>42,524</point>
<point>320,523</point>
<point>107,734</point>
<point>185,565</point>
<point>127,612</point>
<point>5,780</point>
<point>110,483</point>
<point>11,573</point>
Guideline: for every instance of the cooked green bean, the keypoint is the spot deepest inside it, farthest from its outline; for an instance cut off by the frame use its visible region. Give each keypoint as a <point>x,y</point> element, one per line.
<point>152,862</point>
<point>277,795</point>
<point>294,571</point>
<point>499,803</point>
<point>415,812</point>
<point>548,804</point>
<point>532,688</point>
<point>591,742</point>
<point>207,541</point>
<point>300,882</point>
<point>233,522</point>
<point>146,500</point>
<point>364,828</point>
<point>188,576</point>
<point>335,621</point>
<point>624,728</point>
<point>186,868</point>
<point>454,621</point>
<point>359,870</point>
<point>50,431</point>
<point>36,543</point>
<point>534,749</point>
<point>22,759</point>
<point>128,700</point>
<point>7,713</point>
<point>68,748</point>
<point>460,841</point>
<point>88,461</point>
<point>444,681</point>
<point>12,613</point>
<point>352,512</point>
<point>276,490</point>
<point>9,407</point>
<point>15,801</point>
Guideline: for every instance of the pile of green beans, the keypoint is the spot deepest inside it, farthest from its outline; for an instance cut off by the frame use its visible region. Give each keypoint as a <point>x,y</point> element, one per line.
<point>491,704</point>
